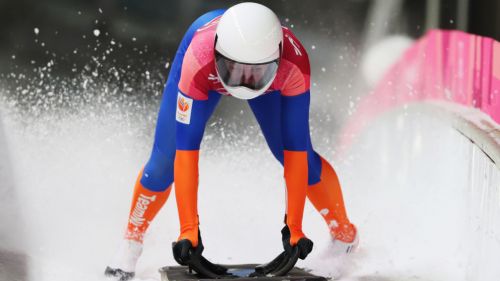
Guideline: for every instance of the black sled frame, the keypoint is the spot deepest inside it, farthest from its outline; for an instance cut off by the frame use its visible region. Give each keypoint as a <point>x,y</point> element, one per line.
<point>240,272</point>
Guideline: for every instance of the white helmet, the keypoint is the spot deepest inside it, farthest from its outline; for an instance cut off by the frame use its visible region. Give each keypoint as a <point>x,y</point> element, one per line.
<point>247,49</point>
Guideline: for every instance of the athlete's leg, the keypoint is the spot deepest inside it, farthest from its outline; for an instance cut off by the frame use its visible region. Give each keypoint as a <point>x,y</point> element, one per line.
<point>326,196</point>
<point>324,190</point>
<point>267,110</point>
<point>152,186</point>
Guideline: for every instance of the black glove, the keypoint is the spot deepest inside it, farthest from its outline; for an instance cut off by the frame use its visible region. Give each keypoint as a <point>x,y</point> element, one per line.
<point>186,254</point>
<point>285,261</point>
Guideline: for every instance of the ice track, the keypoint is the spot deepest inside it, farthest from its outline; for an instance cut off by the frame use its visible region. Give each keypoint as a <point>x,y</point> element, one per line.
<point>422,195</point>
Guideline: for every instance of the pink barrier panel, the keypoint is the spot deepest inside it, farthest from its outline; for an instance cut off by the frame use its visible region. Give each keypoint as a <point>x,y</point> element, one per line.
<point>448,66</point>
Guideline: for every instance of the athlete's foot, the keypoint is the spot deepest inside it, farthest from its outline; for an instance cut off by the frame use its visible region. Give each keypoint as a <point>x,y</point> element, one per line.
<point>122,267</point>
<point>345,238</point>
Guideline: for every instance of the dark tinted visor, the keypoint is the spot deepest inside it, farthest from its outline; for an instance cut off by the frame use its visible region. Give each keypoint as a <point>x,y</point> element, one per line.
<point>254,76</point>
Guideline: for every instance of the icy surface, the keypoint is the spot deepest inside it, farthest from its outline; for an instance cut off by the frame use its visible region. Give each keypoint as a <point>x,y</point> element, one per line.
<point>406,182</point>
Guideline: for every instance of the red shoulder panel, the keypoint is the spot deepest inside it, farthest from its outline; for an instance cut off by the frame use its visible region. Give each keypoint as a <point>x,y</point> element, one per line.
<point>198,62</point>
<point>294,73</point>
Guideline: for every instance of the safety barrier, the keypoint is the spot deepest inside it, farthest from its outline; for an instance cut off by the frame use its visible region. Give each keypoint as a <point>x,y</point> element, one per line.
<point>444,66</point>
<point>455,77</point>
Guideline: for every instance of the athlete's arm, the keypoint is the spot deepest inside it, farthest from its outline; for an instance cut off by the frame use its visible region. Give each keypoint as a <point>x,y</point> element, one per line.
<point>295,130</point>
<point>192,116</point>
<point>195,104</point>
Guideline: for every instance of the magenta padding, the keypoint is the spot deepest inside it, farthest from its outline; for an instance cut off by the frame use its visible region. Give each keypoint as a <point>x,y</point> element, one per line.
<point>450,66</point>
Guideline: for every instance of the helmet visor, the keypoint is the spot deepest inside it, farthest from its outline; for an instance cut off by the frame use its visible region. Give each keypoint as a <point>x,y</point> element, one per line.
<point>254,76</point>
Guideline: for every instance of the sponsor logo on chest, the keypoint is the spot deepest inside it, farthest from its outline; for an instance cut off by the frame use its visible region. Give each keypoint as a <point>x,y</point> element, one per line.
<point>184,108</point>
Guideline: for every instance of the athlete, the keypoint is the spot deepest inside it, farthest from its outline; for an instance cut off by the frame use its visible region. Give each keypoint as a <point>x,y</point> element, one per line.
<point>242,52</point>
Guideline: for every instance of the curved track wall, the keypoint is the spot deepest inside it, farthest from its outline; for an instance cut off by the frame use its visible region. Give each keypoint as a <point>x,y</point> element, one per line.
<point>451,76</point>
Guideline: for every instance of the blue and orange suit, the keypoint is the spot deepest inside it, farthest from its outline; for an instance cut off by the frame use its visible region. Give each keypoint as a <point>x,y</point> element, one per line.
<point>191,94</point>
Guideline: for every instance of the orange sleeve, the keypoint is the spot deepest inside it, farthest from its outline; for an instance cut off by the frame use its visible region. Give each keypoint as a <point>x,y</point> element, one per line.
<point>296,183</point>
<point>186,193</point>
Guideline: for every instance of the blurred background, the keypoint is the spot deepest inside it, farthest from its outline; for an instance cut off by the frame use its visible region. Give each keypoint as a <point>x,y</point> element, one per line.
<point>129,45</point>
<point>80,86</point>
<point>153,29</point>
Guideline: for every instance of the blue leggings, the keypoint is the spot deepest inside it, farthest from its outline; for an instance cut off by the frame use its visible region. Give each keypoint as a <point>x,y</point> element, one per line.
<point>266,111</point>
<point>158,173</point>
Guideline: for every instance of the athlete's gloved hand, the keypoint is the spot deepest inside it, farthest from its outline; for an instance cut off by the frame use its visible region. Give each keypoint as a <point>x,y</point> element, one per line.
<point>285,261</point>
<point>186,254</point>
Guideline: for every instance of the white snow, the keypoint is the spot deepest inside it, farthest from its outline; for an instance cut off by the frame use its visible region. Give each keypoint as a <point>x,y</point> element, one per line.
<point>406,183</point>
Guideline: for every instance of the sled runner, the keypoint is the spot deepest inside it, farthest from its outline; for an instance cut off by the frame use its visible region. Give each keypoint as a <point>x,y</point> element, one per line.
<point>242,272</point>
